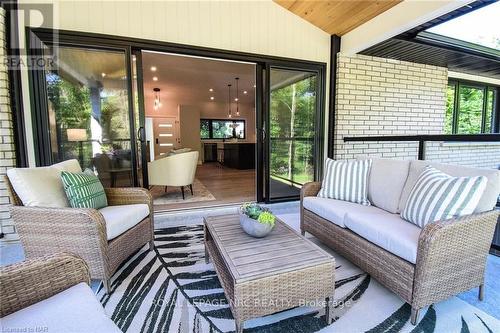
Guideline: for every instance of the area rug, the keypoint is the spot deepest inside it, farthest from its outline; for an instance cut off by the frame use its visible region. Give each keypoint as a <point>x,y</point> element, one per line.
<point>171,289</point>
<point>174,194</point>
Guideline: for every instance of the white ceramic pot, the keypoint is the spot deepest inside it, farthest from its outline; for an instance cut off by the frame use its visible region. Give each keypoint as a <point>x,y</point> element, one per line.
<point>253,227</point>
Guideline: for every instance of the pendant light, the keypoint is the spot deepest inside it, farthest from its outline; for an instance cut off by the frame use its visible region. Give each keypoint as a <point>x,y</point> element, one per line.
<point>229,115</point>
<point>157,101</point>
<point>237,99</point>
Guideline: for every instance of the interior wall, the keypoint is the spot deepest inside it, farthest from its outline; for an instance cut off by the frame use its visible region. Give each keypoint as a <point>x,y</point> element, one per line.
<point>189,124</point>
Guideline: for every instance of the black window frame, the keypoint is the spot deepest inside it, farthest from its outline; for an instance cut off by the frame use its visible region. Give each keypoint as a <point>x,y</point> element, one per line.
<point>495,112</point>
<point>210,127</point>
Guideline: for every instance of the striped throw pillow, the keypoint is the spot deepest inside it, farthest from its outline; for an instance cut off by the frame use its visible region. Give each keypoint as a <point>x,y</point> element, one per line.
<point>346,180</point>
<point>84,190</point>
<point>437,196</point>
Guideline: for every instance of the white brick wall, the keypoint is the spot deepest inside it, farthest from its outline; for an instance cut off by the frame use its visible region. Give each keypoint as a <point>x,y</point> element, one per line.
<point>474,154</point>
<point>377,96</point>
<point>7,151</point>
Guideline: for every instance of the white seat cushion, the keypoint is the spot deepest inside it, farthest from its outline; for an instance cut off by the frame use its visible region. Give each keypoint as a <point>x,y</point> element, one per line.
<point>121,218</point>
<point>333,210</point>
<point>389,231</point>
<point>42,187</point>
<point>74,310</point>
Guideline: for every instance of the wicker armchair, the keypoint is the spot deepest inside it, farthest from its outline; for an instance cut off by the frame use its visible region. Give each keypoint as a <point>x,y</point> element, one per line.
<point>82,231</point>
<point>451,255</point>
<point>35,280</point>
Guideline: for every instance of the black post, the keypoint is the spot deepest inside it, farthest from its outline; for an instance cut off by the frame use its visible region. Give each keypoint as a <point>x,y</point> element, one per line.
<point>334,50</point>
<point>421,150</point>
<point>496,112</point>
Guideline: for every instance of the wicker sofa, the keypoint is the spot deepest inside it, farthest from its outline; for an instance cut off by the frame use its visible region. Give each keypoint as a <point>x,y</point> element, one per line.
<point>104,238</point>
<point>50,294</point>
<point>422,266</point>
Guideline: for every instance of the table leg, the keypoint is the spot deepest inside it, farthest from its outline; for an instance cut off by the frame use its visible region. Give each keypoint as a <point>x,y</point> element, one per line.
<point>207,257</point>
<point>239,326</point>
<point>205,234</point>
<point>329,310</point>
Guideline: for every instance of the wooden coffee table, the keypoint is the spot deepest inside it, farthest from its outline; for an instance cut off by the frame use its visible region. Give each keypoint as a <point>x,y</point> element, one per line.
<point>261,276</point>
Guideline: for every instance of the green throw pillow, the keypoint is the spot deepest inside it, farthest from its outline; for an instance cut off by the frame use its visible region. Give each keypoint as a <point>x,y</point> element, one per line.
<point>84,190</point>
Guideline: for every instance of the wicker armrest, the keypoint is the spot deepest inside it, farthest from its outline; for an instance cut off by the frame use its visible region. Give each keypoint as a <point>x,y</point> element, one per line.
<point>32,281</point>
<point>62,221</point>
<point>451,256</point>
<point>310,189</point>
<point>128,196</point>
<point>50,230</point>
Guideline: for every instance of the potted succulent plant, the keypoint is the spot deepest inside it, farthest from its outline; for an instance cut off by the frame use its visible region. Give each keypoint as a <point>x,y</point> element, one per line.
<point>256,220</point>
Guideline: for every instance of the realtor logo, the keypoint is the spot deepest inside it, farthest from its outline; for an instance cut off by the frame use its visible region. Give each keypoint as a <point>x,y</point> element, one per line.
<point>29,51</point>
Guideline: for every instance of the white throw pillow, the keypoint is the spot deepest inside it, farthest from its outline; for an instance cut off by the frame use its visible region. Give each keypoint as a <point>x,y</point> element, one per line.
<point>437,196</point>
<point>42,186</point>
<point>346,180</point>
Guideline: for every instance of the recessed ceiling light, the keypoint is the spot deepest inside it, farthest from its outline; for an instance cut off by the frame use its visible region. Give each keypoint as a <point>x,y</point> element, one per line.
<point>103,74</point>
<point>245,92</point>
<point>212,98</point>
<point>153,68</point>
<point>155,78</point>
<point>236,100</point>
<point>210,90</point>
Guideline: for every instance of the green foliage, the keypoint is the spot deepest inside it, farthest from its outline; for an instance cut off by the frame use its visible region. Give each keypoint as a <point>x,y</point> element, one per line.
<point>71,102</point>
<point>292,130</point>
<point>70,106</point>
<point>470,112</point>
<point>450,100</point>
<point>205,129</point>
<point>258,213</point>
<point>267,218</point>
<point>114,117</point>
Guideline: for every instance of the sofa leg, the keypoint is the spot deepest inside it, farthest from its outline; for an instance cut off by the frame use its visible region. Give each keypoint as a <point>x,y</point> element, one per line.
<point>182,190</point>
<point>414,316</point>
<point>106,286</point>
<point>481,292</point>
<point>191,188</point>
<point>151,245</point>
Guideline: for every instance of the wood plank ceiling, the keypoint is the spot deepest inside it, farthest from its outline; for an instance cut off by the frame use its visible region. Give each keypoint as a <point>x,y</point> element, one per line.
<point>337,17</point>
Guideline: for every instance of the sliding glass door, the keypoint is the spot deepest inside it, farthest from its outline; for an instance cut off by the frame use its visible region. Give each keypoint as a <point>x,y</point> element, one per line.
<point>84,110</point>
<point>294,127</point>
<point>88,105</point>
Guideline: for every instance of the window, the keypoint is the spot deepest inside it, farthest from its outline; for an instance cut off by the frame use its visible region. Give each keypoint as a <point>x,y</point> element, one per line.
<point>222,129</point>
<point>470,108</point>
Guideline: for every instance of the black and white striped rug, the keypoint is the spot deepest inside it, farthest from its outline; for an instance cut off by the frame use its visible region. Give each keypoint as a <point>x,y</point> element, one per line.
<point>171,289</point>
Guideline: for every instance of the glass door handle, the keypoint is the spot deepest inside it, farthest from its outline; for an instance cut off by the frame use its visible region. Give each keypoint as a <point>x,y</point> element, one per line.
<point>141,134</point>
<point>263,134</point>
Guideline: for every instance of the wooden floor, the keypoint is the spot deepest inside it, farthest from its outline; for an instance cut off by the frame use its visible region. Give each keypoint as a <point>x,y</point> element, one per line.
<point>228,186</point>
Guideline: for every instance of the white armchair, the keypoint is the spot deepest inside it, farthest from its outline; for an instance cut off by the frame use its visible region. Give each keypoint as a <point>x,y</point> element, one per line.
<point>174,170</point>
